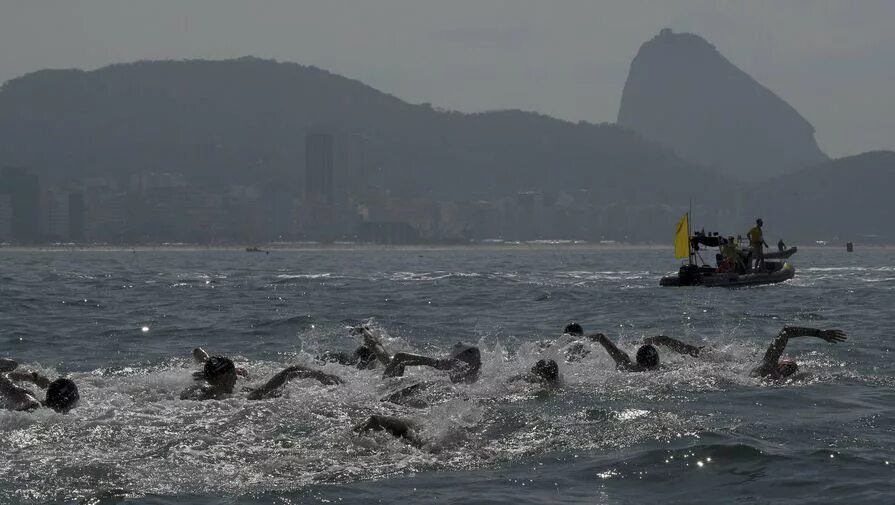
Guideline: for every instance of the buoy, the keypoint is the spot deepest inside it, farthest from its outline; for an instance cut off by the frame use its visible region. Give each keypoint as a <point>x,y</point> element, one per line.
<point>849,247</point>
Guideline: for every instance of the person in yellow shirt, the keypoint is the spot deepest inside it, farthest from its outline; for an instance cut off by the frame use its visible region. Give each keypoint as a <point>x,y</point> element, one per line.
<point>730,256</point>
<point>756,240</point>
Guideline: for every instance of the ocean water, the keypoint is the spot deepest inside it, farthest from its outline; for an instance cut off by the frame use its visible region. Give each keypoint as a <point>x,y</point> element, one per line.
<point>122,325</point>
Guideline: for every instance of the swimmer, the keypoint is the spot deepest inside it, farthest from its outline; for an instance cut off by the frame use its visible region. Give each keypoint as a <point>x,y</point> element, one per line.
<point>200,356</point>
<point>372,344</point>
<point>61,396</point>
<point>545,372</point>
<point>397,427</point>
<point>647,355</point>
<point>772,367</point>
<point>219,374</point>
<point>272,387</point>
<point>575,351</point>
<point>362,358</point>
<point>463,364</point>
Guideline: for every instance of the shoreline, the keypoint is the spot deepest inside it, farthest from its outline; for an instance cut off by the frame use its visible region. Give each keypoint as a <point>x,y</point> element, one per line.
<point>302,247</point>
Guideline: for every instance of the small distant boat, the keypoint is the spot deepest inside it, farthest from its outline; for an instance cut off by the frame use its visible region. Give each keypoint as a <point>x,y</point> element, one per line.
<point>255,249</point>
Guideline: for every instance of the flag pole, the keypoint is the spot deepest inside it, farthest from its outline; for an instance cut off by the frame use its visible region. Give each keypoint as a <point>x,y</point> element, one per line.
<point>689,244</point>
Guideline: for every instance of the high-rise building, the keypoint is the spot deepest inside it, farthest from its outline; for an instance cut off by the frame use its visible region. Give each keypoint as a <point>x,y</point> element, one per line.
<point>54,215</point>
<point>5,218</point>
<point>23,188</point>
<point>76,217</point>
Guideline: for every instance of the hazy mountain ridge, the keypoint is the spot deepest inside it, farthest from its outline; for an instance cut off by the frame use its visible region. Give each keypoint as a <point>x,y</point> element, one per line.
<point>849,198</point>
<point>244,121</point>
<point>683,93</point>
<point>246,118</point>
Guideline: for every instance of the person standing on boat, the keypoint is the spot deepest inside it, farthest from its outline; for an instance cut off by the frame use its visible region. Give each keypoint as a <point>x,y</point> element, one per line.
<point>756,240</point>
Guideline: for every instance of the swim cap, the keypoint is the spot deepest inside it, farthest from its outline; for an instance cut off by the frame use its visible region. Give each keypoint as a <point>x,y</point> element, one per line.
<point>467,353</point>
<point>647,356</point>
<point>574,329</point>
<point>62,395</point>
<point>470,355</point>
<point>547,369</point>
<point>364,357</point>
<point>218,366</point>
<point>787,367</point>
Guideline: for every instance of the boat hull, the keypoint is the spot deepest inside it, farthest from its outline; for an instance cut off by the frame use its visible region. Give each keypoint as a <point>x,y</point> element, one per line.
<point>709,277</point>
<point>733,280</point>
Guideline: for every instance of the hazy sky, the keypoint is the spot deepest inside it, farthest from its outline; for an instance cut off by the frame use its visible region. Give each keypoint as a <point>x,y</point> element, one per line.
<point>834,61</point>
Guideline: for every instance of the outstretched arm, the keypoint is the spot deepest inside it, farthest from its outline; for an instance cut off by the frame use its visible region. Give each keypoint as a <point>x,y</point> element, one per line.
<point>772,356</point>
<point>396,366</point>
<point>674,344</point>
<point>33,377</point>
<point>620,357</point>
<point>286,375</point>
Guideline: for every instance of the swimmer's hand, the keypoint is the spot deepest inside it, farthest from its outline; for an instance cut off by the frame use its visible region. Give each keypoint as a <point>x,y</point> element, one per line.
<point>832,336</point>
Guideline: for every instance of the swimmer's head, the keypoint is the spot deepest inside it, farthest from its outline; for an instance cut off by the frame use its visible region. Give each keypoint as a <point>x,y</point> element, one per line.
<point>220,371</point>
<point>574,329</point>
<point>546,369</point>
<point>470,355</point>
<point>786,367</point>
<point>365,358</point>
<point>62,395</point>
<point>648,357</point>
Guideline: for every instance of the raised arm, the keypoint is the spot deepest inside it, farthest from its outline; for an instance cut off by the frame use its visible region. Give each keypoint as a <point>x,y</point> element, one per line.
<point>772,356</point>
<point>286,375</point>
<point>396,366</point>
<point>620,357</point>
<point>674,344</point>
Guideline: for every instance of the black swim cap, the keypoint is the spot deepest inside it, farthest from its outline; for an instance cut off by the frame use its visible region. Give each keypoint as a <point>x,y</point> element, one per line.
<point>218,366</point>
<point>364,357</point>
<point>647,356</point>
<point>574,329</point>
<point>62,395</point>
<point>547,369</point>
<point>467,353</point>
<point>787,367</point>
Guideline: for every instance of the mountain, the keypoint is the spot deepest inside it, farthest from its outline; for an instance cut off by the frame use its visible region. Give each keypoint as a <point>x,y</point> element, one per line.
<point>245,120</point>
<point>848,198</point>
<point>684,94</point>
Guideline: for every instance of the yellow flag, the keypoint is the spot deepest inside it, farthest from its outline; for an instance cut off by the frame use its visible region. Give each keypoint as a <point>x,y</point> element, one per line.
<point>682,238</point>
